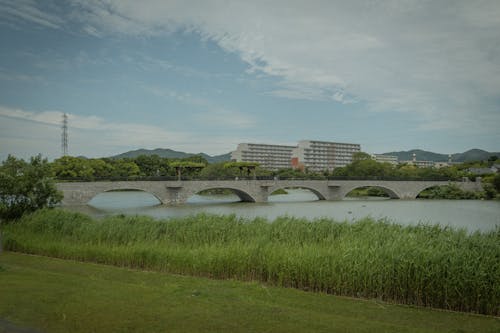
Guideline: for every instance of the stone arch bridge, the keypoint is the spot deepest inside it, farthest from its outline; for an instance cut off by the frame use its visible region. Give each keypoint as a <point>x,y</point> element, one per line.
<point>178,192</point>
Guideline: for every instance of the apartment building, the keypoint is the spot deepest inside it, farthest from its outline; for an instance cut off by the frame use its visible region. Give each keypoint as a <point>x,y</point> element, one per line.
<point>323,155</point>
<point>381,158</point>
<point>270,157</point>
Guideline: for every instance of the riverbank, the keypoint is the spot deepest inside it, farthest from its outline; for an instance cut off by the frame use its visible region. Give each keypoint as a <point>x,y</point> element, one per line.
<point>53,295</point>
<point>418,265</point>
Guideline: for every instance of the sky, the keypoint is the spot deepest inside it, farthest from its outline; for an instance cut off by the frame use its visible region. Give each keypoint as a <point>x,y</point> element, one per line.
<point>203,76</point>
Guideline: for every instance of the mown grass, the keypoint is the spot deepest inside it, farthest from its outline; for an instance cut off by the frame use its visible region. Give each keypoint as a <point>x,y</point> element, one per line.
<point>53,295</point>
<point>420,265</point>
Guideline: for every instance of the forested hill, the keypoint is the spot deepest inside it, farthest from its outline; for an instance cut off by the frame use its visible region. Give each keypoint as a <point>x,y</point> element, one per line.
<point>169,153</point>
<point>422,155</point>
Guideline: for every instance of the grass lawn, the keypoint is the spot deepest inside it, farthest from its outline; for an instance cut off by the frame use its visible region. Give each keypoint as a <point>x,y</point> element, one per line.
<point>54,295</point>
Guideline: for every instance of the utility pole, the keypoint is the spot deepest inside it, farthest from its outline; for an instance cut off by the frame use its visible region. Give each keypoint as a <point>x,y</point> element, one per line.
<point>64,135</point>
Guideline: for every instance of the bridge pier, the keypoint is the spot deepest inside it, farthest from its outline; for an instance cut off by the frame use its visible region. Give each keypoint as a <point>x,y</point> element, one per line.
<point>247,190</point>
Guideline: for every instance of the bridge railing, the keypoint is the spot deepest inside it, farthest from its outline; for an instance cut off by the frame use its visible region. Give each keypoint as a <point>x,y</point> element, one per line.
<point>396,178</point>
<point>219,178</point>
<point>115,179</point>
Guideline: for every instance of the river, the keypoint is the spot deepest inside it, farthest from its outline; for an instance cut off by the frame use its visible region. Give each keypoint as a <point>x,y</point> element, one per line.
<point>470,214</point>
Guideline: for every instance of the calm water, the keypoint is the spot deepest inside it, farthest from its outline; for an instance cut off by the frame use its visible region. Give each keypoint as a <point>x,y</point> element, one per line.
<point>470,214</point>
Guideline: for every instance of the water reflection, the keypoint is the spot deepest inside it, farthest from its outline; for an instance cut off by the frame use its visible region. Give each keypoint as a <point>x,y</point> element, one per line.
<point>114,200</point>
<point>294,195</point>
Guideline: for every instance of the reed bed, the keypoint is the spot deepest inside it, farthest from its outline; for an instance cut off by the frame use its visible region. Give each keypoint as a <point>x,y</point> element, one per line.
<point>425,265</point>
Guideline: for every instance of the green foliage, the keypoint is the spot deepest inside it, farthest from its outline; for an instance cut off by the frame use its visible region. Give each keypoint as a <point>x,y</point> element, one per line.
<point>72,167</point>
<point>196,167</point>
<point>26,187</point>
<point>361,156</point>
<point>451,191</point>
<point>489,191</point>
<point>196,159</point>
<point>218,171</point>
<point>125,169</point>
<point>69,167</point>
<point>245,168</point>
<point>240,165</point>
<point>280,191</point>
<point>491,185</point>
<point>75,168</point>
<point>496,182</point>
<point>419,265</point>
<point>187,165</point>
<point>152,165</point>
<point>369,191</point>
<point>493,158</point>
<point>366,168</point>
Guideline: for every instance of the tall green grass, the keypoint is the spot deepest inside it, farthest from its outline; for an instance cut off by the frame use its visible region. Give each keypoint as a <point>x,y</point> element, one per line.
<point>420,265</point>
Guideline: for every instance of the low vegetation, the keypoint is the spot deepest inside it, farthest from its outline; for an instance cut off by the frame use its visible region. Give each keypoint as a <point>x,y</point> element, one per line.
<point>280,191</point>
<point>52,295</point>
<point>368,191</point>
<point>452,192</point>
<point>216,191</point>
<point>420,265</point>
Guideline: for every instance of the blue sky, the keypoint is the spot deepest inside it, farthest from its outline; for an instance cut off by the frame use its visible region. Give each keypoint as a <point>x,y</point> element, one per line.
<point>203,76</point>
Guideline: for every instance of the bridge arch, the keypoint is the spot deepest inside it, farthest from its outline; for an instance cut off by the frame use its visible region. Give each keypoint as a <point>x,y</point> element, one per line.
<point>81,193</point>
<point>242,194</point>
<point>393,194</point>
<point>316,192</point>
<point>430,186</point>
<point>427,185</point>
<point>128,189</point>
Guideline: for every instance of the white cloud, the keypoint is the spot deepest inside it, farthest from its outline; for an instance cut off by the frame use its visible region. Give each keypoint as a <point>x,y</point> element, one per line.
<point>7,76</point>
<point>28,10</point>
<point>26,133</point>
<point>225,119</point>
<point>437,60</point>
<point>212,115</point>
<point>93,134</point>
<point>428,58</point>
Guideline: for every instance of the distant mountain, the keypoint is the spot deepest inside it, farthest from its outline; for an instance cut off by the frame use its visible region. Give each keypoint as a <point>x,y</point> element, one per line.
<point>169,153</point>
<point>474,155</point>
<point>422,155</point>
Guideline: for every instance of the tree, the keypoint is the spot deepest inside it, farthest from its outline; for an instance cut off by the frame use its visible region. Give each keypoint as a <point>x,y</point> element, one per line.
<point>124,168</point>
<point>218,171</point>
<point>152,165</point>
<point>360,156</point>
<point>179,166</point>
<point>493,158</point>
<point>496,182</point>
<point>69,167</point>
<point>26,187</point>
<point>249,167</point>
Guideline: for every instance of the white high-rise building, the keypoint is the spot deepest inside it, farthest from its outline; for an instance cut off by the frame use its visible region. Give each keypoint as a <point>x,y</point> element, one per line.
<point>323,155</point>
<point>270,157</point>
